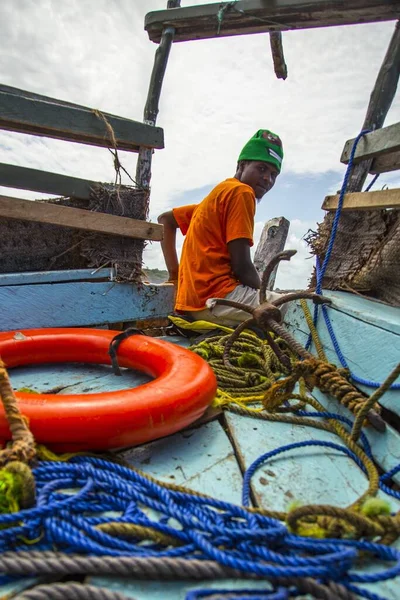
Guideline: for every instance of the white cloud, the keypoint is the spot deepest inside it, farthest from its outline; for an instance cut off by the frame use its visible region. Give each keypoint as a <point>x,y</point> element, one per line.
<point>293,274</point>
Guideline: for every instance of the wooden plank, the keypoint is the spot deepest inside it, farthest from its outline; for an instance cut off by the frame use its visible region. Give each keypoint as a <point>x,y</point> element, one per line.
<point>385,163</point>
<point>78,378</point>
<point>8,89</point>
<point>273,239</point>
<point>385,446</point>
<point>365,200</point>
<point>258,16</point>
<point>55,276</point>
<point>380,102</point>
<point>76,304</point>
<point>57,378</point>
<point>309,475</point>
<point>77,218</point>
<point>368,333</point>
<point>45,182</point>
<point>64,121</point>
<point>376,143</point>
<point>74,378</point>
<point>201,459</point>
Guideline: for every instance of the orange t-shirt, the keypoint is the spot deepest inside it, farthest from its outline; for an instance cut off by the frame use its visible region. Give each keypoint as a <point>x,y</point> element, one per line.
<point>226,214</point>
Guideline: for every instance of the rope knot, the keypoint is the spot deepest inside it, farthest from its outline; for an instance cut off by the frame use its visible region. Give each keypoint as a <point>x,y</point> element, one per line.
<point>17,487</point>
<point>324,521</point>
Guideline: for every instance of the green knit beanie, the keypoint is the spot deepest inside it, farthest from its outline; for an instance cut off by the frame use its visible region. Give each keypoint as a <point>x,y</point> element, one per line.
<point>265,146</point>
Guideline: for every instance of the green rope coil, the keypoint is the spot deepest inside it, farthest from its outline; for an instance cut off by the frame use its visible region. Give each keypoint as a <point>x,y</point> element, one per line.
<point>254,366</point>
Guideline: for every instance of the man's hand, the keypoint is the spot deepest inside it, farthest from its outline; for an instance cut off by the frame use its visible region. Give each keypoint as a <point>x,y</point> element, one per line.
<point>168,244</point>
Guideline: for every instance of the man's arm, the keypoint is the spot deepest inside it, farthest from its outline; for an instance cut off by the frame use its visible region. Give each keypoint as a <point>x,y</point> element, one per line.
<point>242,265</point>
<point>168,244</point>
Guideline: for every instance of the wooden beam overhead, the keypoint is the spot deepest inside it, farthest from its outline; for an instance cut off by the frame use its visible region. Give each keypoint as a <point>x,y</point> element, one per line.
<point>77,218</point>
<point>37,115</point>
<point>259,16</point>
<point>374,144</point>
<point>45,182</point>
<point>365,200</point>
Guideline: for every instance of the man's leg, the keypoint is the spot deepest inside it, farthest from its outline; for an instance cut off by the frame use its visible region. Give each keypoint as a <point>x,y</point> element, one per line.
<point>228,316</point>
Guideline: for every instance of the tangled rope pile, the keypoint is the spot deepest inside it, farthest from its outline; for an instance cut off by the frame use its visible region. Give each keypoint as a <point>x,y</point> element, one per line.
<point>108,518</point>
<point>367,517</point>
<point>253,365</point>
<point>154,522</point>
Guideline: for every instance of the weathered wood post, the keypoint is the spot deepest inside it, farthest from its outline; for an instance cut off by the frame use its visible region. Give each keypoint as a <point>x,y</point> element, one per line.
<point>272,240</point>
<point>143,168</point>
<point>275,39</point>
<point>381,100</point>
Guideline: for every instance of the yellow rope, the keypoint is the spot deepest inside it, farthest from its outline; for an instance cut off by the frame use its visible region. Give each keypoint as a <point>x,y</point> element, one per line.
<point>313,330</point>
<point>17,484</point>
<point>250,358</point>
<point>372,400</point>
<point>367,517</point>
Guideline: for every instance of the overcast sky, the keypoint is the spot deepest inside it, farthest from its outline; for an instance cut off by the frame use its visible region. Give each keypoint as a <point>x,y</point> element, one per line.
<point>216,94</point>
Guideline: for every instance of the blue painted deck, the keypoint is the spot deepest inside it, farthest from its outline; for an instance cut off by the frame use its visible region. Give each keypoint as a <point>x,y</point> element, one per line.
<point>211,458</point>
<point>7,279</point>
<point>368,333</point>
<point>77,298</point>
<point>369,337</point>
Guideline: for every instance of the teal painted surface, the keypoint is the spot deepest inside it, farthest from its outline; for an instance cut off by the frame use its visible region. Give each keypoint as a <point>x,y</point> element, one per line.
<point>74,378</point>
<point>55,276</point>
<point>172,590</point>
<point>385,446</point>
<point>369,336</point>
<point>369,311</point>
<point>200,458</point>
<point>81,304</point>
<point>368,333</point>
<point>309,475</point>
<point>79,378</point>
<point>12,590</point>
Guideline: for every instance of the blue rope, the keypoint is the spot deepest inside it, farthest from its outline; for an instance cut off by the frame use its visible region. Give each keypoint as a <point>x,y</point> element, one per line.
<point>205,528</point>
<point>345,420</point>
<point>320,274</point>
<point>367,449</point>
<point>338,211</point>
<point>387,477</point>
<point>265,457</point>
<point>371,183</point>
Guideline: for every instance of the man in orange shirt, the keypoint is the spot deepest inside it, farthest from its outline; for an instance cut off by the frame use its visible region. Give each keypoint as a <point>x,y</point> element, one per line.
<point>215,260</point>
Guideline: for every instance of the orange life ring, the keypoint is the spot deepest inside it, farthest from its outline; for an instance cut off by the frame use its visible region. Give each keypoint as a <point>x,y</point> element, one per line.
<point>184,387</point>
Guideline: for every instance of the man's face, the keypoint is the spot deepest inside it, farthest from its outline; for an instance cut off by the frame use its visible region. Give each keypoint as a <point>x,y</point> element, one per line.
<point>260,176</point>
